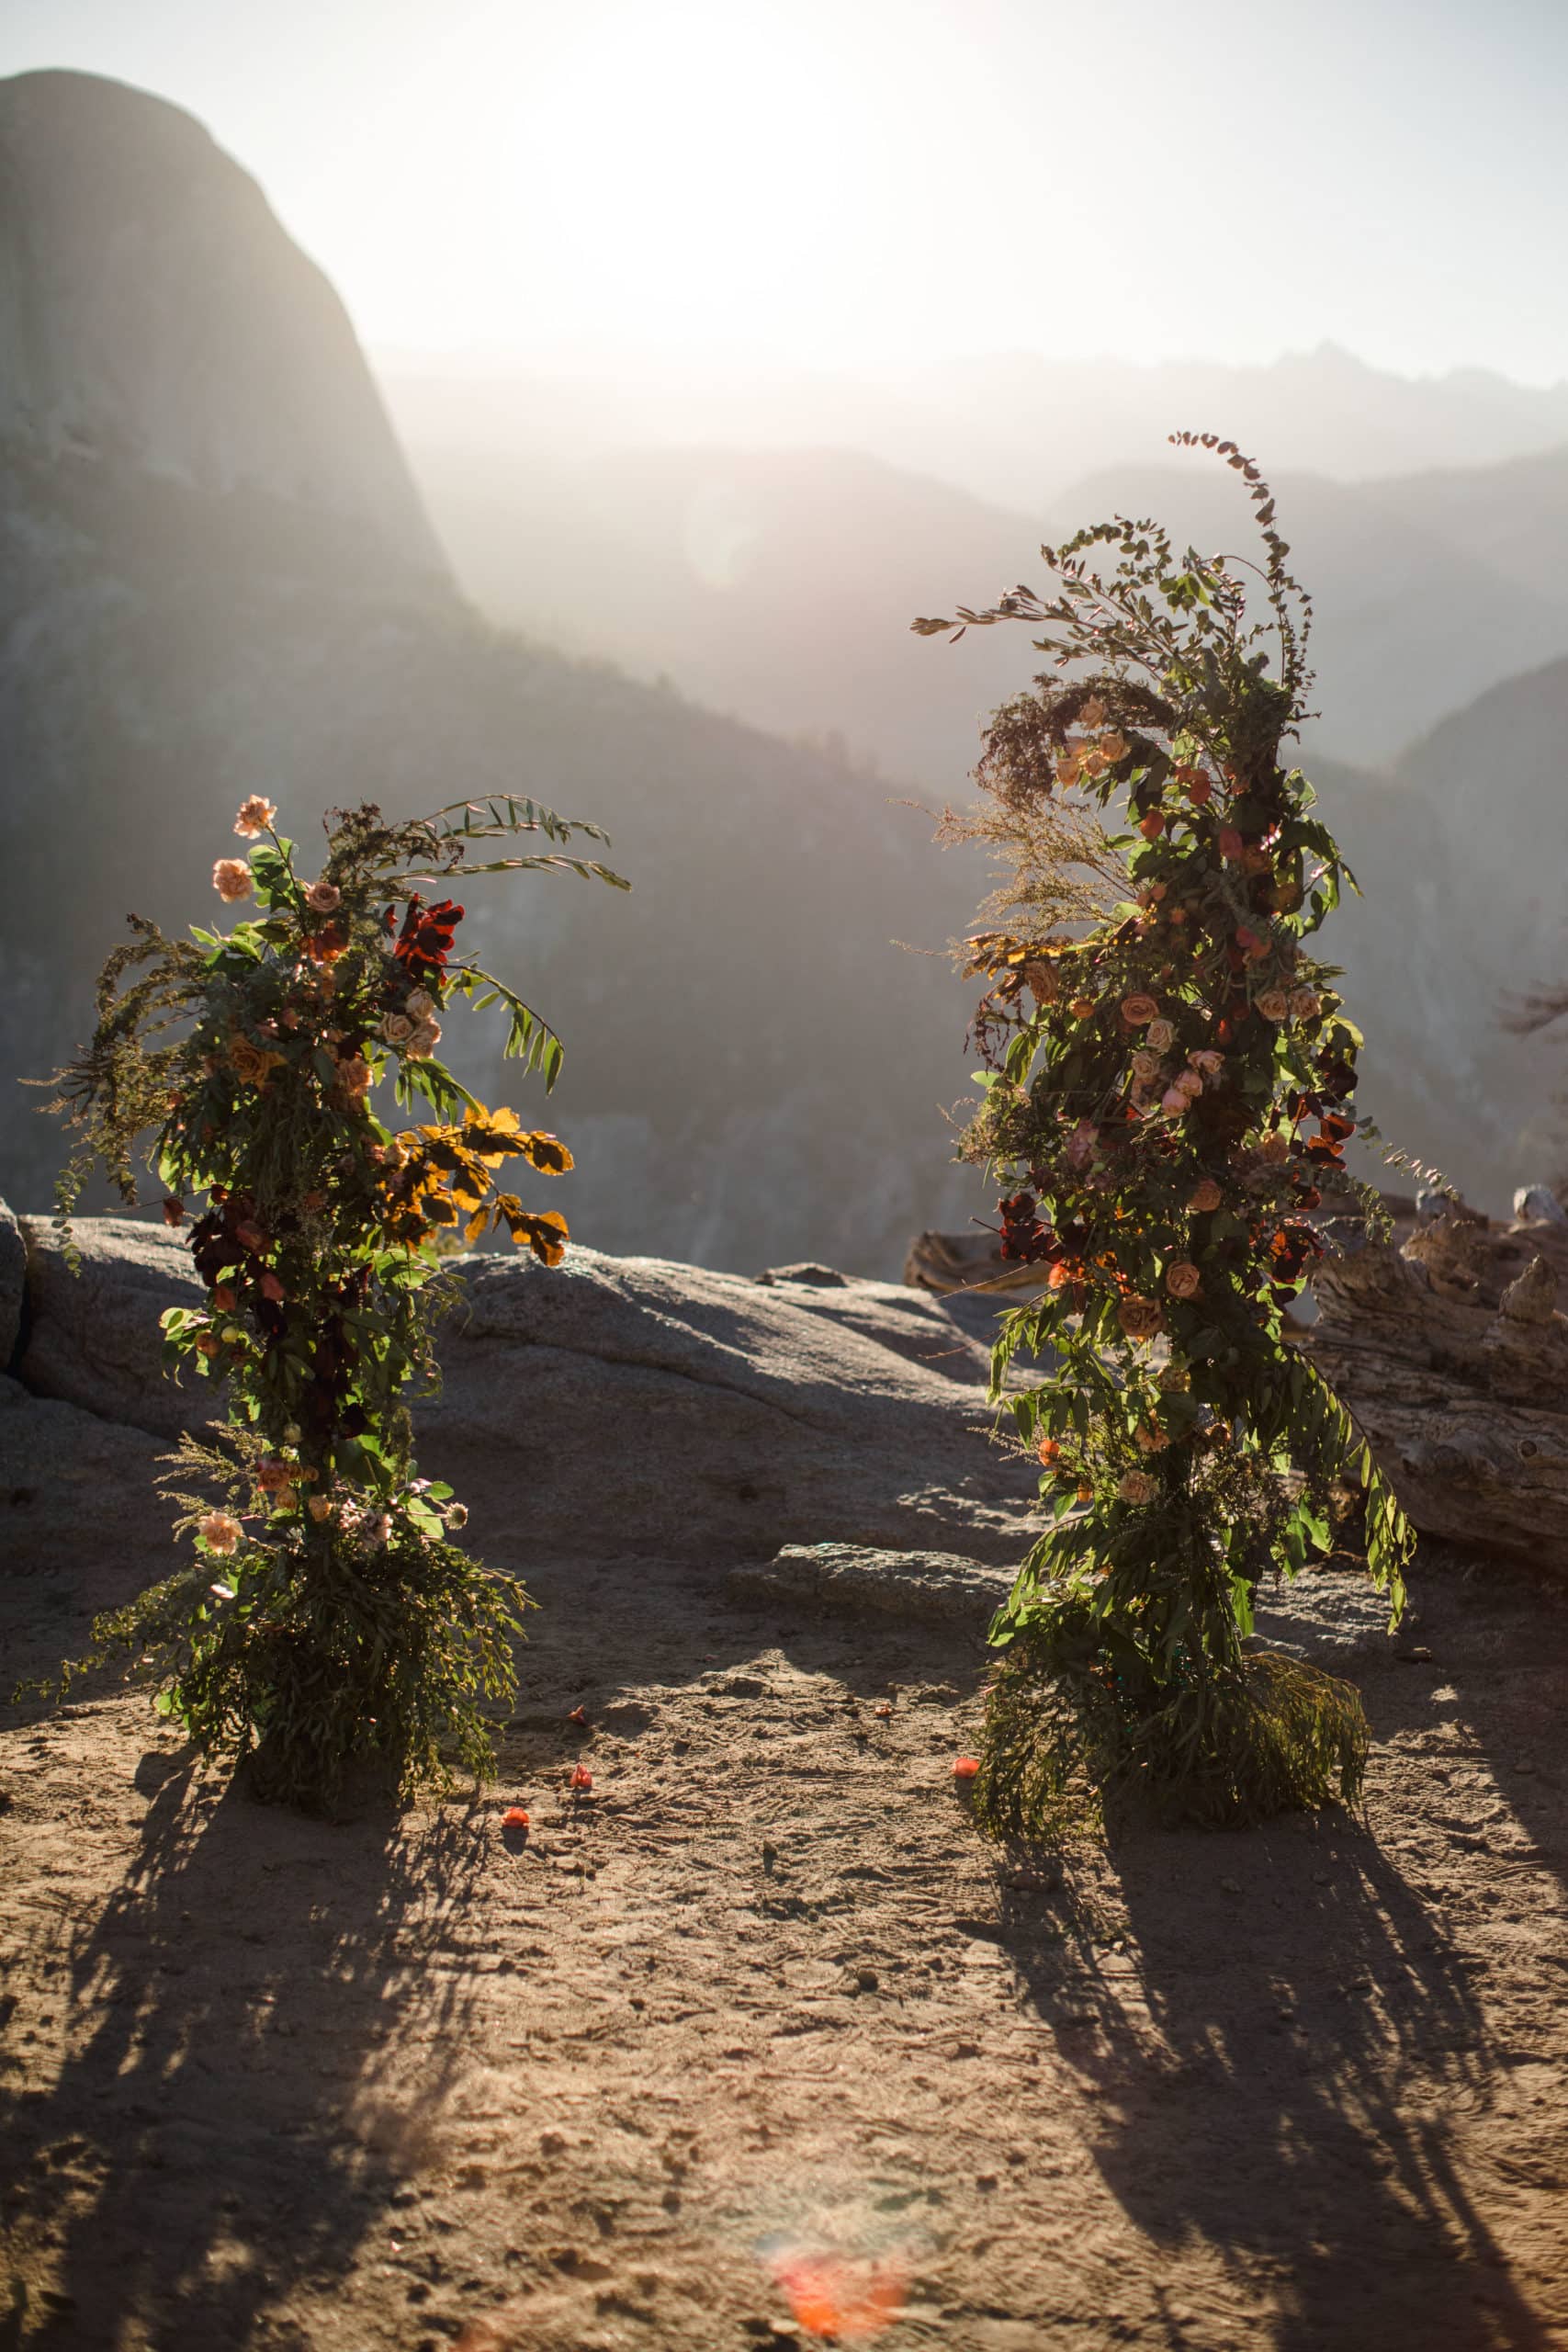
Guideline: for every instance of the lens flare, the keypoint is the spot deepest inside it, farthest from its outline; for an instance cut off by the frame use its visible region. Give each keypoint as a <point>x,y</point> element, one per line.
<point>833,2296</point>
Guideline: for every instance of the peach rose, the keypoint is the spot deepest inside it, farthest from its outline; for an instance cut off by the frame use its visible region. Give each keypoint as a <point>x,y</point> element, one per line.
<point>1081,1007</point>
<point>1274,1005</point>
<point>1114,746</point>
<point>1137,1487</point>
<point>1182,1279</point>
<point>1274,1148</point>
<point>1206,1198</point>
<point>1305,1004</point>
<point>1150,1439</point>
<point>1138,1009</point>
<point>232,880</point>
<point>1144,1067</point>
<point>274,1477</point>
<point>1231,843</point>
<point>396,1028</point>
<point>1188,1082</point>
<point>324,898</point>
<point>1038,978</point>
<point>255,816</point>
<point>1140,1318</point>
<point>272,1288</point>
<point>423,1042</point>
<point>220,1531</point>
<point>1161,1035</point>
<point>1208,1061</point>
<point>421,1005</point>
<point>1092,713</point>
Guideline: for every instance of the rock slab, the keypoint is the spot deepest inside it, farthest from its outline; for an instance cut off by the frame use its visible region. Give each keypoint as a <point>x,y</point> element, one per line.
<point>617,1406</point>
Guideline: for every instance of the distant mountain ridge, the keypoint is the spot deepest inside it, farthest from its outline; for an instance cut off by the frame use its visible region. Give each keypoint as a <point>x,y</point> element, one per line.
<point>1013,429</point>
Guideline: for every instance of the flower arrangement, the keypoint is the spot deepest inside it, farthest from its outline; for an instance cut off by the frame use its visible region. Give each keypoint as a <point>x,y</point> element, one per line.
<point>1169,1083</point>
<point>327,1618</point>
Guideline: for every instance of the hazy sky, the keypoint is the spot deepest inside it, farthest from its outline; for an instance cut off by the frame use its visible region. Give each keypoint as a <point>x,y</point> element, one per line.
<point>873,183</point>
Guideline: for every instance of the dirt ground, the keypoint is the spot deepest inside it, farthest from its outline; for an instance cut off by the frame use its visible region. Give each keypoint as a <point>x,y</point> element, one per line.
<point>759,2039</point>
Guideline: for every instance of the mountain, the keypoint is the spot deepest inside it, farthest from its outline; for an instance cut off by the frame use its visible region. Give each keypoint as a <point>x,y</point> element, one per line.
<point>779,585</point>
<point>192,610</point>
<point>154,316</point>
<point>197,602</point>
<point>775,584</point>
<point>1014,430</point>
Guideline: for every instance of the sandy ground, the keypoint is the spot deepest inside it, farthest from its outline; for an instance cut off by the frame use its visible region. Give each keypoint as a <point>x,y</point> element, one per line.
<point>759,2037</point>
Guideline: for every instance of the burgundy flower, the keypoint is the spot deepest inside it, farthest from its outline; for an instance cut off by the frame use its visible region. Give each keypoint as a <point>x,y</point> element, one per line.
<point>424,942</point>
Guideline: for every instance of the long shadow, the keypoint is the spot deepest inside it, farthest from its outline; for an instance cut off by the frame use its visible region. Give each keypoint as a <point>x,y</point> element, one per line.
<point>1278,2066</point>
<point>224,2135</point>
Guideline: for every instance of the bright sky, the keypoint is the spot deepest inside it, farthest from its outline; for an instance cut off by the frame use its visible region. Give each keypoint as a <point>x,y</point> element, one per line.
<point>869,184</point>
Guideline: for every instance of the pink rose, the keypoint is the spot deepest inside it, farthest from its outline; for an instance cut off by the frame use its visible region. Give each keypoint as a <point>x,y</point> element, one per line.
<point>1305,1004</point>
<point>1173,1099</point>
<point>1182,1280</point>
<point>272,1288</point>
<point>1231,843</point>
<point>324,898</point>
<point>1138,1009</point>
<point>1274,1005</point>
<point>1188,1082</point>
<point>1208,1061</point>
<point>1137,1487</point>
<point>1081,1143</point>
<point>232,880</point>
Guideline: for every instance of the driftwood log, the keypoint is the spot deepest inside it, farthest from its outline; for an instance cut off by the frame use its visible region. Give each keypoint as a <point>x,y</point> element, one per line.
<point>1448,1346</point>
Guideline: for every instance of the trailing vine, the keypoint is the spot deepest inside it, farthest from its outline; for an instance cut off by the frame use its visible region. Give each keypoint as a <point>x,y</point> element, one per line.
<point>324,1617</point>
<point>1170,1087</point>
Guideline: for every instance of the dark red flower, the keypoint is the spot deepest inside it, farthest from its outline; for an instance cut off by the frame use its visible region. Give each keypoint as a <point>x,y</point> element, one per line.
<point>424,942</point>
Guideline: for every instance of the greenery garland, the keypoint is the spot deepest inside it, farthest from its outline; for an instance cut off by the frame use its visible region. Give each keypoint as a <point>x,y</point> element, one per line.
<point>1169,1088</point>
<point>326,1619</point>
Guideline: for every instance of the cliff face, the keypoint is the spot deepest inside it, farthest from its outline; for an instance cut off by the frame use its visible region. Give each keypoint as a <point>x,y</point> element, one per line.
<point>154,315</point>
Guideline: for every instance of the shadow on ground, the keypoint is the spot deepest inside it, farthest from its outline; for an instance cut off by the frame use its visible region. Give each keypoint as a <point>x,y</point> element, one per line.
<point>220,2195</point>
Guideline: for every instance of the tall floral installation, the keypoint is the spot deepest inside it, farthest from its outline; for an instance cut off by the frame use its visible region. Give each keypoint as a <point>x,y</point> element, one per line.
<point>1170,1087</point>
<point>325,1619</point>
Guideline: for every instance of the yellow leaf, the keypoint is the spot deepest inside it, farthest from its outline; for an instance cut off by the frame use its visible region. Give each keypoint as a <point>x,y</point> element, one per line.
<point>547,1153</point>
